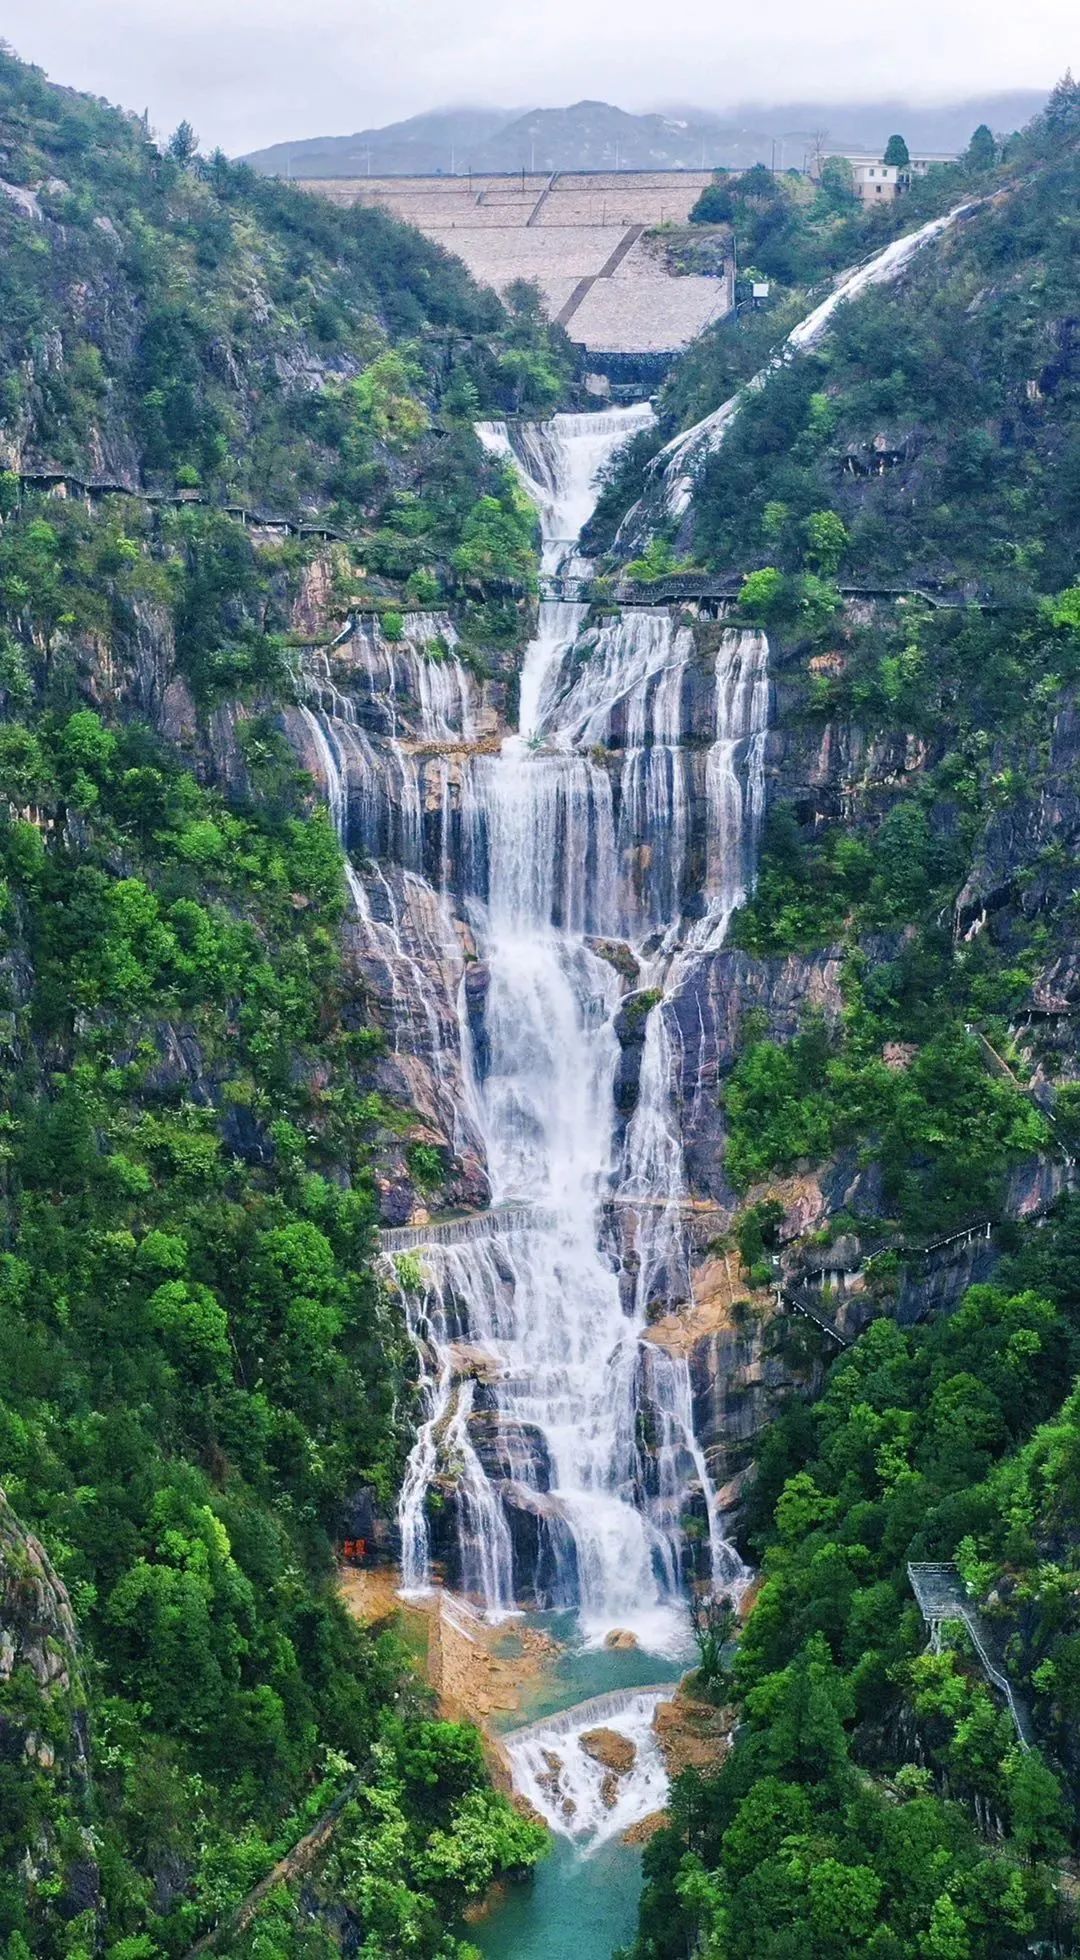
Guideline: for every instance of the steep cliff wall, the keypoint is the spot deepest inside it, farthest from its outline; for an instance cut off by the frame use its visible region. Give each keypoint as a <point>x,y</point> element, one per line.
<point>44,1740</point>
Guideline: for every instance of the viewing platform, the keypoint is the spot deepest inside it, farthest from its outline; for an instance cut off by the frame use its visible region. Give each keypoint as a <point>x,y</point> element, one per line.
<point>942,1599</point>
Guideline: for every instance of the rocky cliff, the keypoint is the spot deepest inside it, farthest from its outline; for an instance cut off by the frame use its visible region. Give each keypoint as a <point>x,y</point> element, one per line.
<point>44,1740</point>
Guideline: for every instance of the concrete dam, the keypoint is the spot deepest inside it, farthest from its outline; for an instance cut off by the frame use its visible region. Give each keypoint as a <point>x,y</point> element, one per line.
<point>610,250</point>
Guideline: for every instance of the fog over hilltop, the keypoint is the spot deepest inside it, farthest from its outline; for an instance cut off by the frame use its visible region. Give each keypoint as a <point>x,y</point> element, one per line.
<point>597,135</point>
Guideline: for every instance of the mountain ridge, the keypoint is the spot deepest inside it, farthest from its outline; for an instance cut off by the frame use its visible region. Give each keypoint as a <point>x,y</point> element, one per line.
<point>591,134</point>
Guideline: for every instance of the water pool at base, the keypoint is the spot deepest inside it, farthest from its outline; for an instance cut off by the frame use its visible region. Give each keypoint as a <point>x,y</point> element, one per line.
<point>580,1904</point>
<point>577,1673</point>
<point>575,1908</point>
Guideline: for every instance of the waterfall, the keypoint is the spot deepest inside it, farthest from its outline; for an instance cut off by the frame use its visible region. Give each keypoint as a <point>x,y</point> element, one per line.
<point>555,1461</point>
<point>573,1791</point>
<point>734,780</point>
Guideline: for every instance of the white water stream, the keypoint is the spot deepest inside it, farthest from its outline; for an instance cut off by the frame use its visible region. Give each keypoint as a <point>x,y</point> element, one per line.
<point>572,1788</point>
<point>565,1440</point>
<point>679,461</point>
<point>561,1439</point>
<point>575,849</point>
<point>557,1462</point>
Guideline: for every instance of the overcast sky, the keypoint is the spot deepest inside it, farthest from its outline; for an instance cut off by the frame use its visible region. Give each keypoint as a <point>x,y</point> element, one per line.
<point>250,72</point>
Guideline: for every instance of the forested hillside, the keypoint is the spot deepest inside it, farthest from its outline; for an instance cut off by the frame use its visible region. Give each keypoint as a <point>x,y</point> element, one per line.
<point>205,1384</point>
<point>937,421</point>
<point>921,845</point>
<point>236,431</point>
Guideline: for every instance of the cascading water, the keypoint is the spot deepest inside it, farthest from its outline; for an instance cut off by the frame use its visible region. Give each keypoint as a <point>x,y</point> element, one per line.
<point>556,1462</point>
<point>561,1439</point>
<point>502,900</point>
<point>571,1788</point>
<point>578,831</point>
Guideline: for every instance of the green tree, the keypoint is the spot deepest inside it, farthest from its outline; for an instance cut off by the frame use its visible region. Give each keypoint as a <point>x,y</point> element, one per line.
<point>838,183</point>
<point>183,143</point>
<point>1038,1813</point>
<point>762,592</point>
<point>826,538</point>
<point>896,152</point>
<point>712,1618</point>
<point>946,1937</point>
<point>981,152</point>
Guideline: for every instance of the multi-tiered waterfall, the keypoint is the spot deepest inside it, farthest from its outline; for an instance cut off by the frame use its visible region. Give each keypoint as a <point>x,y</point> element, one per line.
<point>510,896</point>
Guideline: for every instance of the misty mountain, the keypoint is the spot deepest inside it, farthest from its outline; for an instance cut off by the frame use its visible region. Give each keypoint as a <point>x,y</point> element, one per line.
<point>442,139</point>
<point>599,136</point>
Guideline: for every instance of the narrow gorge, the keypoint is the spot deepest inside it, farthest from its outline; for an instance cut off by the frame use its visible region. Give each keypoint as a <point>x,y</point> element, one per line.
<point>542,870</point>
<point>540,1286</point>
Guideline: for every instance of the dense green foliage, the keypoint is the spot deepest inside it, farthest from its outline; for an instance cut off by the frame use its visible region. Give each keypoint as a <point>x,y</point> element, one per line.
<point>204,1374</point>
<point>876,1798</point>
<point>897,1071</point>
<point>939,423</point>
<point>943,1130</point>
<point>785,230</point>
<point>938,418</point>
<point>189,325</point>
<point>820,1836</point>
<point>200,1364</point>
<point>975,693</point>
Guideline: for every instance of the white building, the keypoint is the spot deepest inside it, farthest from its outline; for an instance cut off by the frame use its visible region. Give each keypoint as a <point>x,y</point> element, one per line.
<point>877,182</point>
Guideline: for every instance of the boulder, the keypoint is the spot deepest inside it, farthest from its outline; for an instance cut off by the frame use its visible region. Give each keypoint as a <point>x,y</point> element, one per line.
<point>610,1749</point>
<point>621,1641</point>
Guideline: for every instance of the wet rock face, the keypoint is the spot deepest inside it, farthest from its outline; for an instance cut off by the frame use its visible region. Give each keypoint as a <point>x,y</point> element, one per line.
<point>511,1452</point>
<point>43,1724</point>
<point>737,1379</point>
<point>630,1025</point>
<point>544,1556</point>
<point>710,1013</point>
<point>1018,835</point>
<point>542,1543</point>
<point>410,960</point>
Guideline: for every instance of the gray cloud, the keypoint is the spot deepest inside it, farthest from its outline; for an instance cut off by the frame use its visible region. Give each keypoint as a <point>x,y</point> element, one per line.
<point>249,72</point>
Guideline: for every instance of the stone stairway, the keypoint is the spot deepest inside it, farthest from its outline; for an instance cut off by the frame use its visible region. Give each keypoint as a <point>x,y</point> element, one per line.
<point>610,266</point>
